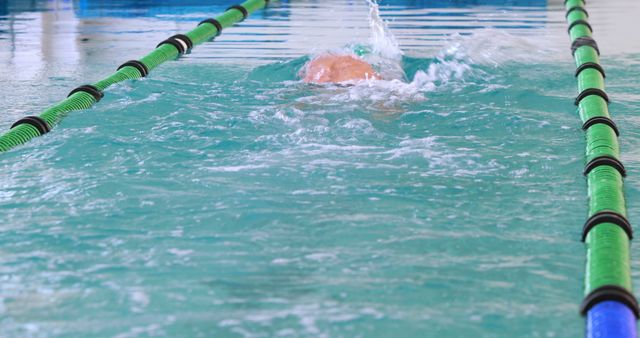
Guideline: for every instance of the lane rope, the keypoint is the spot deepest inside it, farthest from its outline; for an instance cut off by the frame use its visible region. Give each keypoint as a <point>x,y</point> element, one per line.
<point>85,96</point>
<point>610,308</point>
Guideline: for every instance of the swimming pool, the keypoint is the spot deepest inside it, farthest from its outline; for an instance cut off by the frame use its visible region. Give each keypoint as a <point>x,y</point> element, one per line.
<point>221,197</point>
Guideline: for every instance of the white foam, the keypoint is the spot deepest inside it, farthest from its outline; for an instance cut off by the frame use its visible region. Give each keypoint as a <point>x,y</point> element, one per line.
<point>180,253</point>
<point>237,168</point>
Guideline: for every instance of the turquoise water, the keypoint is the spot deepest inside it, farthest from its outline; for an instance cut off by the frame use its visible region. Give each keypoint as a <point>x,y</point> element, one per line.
<point>221,197</point>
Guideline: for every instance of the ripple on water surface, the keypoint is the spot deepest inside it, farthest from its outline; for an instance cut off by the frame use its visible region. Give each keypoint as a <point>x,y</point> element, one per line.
<point>224,197</point>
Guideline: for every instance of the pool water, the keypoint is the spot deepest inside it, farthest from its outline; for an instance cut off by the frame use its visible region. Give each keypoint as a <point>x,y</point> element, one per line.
<point>222,197</point>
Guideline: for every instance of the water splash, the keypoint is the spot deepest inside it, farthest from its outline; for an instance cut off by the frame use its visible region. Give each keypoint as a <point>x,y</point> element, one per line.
<point>385,54</point>
<point>494,47</point>
<point>382,41</point>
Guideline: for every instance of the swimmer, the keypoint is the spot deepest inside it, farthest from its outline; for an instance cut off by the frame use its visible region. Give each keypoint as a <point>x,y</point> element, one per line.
<point>331,68</point>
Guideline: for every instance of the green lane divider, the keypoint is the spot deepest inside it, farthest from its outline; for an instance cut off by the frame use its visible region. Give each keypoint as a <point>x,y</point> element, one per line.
<point>86,96</point>
<point>607,232</point>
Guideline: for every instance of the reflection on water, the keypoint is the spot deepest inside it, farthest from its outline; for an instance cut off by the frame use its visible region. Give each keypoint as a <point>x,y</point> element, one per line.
<point>35,34</point>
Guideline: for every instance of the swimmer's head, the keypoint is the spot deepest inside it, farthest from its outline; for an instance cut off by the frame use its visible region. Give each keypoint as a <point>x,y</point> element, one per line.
<point>337,68</point>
